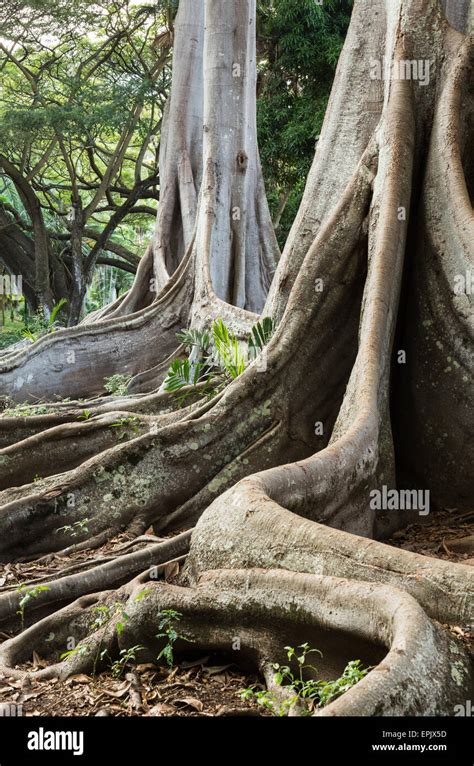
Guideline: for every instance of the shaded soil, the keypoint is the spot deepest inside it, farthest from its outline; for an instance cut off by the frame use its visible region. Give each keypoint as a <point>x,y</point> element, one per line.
<point>148,690</point>
<point>434,534</point>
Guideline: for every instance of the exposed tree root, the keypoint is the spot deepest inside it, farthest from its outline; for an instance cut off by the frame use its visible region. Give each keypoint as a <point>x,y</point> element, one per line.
<point>99,573</point>
<point>248,527</point>
<point>251,615</point>
<point>148,478</point>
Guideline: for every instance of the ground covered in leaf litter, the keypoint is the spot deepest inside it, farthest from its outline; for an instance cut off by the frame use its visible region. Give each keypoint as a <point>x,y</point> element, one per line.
<point>201,687</point>
<point>190,689</point>
<point>444,535</point>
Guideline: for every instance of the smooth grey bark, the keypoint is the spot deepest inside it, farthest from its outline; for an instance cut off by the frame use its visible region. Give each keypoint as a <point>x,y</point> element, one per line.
<point>460,14</point>
<point>243,249</point>
<point>181,159</point>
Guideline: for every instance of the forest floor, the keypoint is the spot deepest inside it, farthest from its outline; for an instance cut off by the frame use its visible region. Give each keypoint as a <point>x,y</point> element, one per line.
<point>204,685</point>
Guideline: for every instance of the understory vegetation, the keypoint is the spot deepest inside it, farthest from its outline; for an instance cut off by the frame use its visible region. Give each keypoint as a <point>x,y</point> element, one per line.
<point>309,693</point>
<point>217,357</point>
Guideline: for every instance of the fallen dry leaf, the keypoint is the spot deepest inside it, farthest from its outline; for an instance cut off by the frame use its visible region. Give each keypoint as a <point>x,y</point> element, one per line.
<point>171,570</point>
<point>161,709</point>
<point>189,702</point>
<point>80,678</point>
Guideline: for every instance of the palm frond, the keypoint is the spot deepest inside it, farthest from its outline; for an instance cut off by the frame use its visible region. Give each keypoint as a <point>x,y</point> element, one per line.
<point>182,374</point>
<point>260,335</point>
<point>197,338</point>
<point>228,351</point>
<point>55,311</point>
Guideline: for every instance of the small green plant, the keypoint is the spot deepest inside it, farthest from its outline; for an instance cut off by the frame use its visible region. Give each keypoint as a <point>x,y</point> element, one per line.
<point>127,658</point>
<point>267,700</point>
<point>195,339</point>
<point>85,415</point>
<point>27,594</point>
<point>229,354</point>
<point>353,673</point>
<point>123,615</point>
<point>311,692</point>
<point>105,613</point>
<point>143,593</point>
<point>128,426</point>
<point>215,358</point>
<point>103,616</point>
<point>181,374</point>
<point>260,336</point>
<point>80,650</point>
<point>39,325</point>
<point>74,529</point>
<point>14,410</point>
<point>168,626</point>
<point>117,385</point>
<point>284,674</point>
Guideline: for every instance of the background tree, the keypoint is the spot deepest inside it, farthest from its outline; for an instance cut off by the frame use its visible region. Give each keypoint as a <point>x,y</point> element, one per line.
<point>80,117</point>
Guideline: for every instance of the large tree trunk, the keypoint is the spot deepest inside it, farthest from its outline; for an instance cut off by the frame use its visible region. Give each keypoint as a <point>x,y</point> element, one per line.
<point>278,470</point>
<point>181,144</point>
<point>192,273</point>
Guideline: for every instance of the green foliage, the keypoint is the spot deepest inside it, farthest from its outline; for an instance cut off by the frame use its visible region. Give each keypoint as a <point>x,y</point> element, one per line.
<point>143,593</point>
<point>9,337</point>
<point>22,410</point>
<point>299,42</point>
<point>260,336</point>
<point>127,659</point>
<point>103,612</point>
<point>27,594</point>
<point>80,650</point>
<point>199,339</point>
<point>267,700</point>
<point>117,385</point>
<point>169,631</point>
<point>106,612</point>
<point>74,529</point>
<point>181,374</point>
<point>12,325</point>
<point>39,324</point>
<point>128,427</point>
<point>216,358</point>
<point>229,355</point>
<point>302,689</point>
<point>85,415</point>
<point>353,673</point>
<point>81,101</point>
